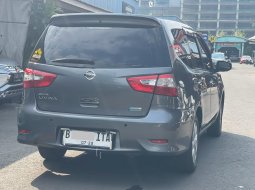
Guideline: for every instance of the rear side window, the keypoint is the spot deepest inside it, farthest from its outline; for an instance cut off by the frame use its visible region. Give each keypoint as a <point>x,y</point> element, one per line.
<point>105,47</point>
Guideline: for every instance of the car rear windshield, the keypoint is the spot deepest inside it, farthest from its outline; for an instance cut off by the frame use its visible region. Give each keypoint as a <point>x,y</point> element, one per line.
<point>103,47</point>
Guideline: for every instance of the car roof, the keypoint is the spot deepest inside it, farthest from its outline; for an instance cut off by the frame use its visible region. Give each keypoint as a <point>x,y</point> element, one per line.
<point>103,14</point>
<point>95,16</point>
<point>175,24</point>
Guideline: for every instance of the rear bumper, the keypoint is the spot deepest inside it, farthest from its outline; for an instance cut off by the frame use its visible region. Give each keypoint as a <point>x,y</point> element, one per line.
<point>234,58</point>
<point>246,62</point>
<point>11,91</point>
<point>132,134</point>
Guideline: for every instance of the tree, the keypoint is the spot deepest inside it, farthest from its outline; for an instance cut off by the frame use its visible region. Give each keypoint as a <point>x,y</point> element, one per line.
<point>212,38</point>
<point>41,12</point>
<point>220,33</point>
<point>239,33</point>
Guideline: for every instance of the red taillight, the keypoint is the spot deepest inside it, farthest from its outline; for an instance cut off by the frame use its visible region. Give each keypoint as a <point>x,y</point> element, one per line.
<point>143,83</point>
<point>166,85</point>
<point>157,84</point>
<point>35,78</point>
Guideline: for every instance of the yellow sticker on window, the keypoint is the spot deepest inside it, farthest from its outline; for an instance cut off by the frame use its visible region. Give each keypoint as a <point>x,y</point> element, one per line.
<point>37,54</point>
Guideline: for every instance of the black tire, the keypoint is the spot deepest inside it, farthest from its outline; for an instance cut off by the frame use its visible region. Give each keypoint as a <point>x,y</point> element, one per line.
<point>51,153</point>
<point>216,129</point>
<point>187,162</point>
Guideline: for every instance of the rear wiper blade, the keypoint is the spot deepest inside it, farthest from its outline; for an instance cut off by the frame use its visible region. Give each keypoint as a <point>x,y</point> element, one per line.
<point>70,61</point>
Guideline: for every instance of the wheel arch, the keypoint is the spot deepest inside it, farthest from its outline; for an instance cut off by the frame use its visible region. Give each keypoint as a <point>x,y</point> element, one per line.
<point>222,100</point>
<point>199,115</point>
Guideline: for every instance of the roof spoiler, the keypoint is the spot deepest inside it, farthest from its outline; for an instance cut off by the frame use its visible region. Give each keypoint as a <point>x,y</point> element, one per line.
<point>103,19</point>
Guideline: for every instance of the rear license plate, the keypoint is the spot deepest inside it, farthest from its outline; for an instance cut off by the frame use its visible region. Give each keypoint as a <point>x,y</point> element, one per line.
<point>88,138</point>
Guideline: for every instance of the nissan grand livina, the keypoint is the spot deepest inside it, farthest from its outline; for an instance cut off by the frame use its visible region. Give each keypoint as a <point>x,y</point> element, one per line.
<point>121,84</point>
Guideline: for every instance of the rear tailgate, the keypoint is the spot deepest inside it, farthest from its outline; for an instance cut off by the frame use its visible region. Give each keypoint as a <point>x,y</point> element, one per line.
<point>107,94</point>
<point>92,64</point>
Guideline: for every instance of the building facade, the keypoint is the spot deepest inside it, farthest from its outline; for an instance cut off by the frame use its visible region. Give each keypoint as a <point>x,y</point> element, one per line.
<point>115,6</point>
<point>207,15</point>
<point>75,6</point>
<point>160,7</point>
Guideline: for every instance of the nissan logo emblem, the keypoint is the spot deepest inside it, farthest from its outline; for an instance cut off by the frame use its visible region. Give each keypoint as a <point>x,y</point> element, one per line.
<point>90,75</point>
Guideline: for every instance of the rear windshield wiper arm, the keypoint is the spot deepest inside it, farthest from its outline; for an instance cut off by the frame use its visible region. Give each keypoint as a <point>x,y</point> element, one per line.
<point>70,60</point>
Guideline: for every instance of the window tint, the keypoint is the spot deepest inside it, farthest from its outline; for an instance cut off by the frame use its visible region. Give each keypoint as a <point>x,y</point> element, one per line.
<point>202,51</point>
<point>195,54</point>
<point>186,48</point>
<point>193,47</point>
<point>181,45</point>
<point>204,59</point>
<point>106,47</point>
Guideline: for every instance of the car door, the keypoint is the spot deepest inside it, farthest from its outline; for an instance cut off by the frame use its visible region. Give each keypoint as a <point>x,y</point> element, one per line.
<point>201,79</point>
<point>212,77</point>
<point>187,49</point>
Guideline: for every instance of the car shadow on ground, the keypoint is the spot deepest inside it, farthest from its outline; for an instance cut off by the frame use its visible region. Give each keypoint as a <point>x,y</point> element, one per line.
<point>11,151</point>
<point>222,163</point>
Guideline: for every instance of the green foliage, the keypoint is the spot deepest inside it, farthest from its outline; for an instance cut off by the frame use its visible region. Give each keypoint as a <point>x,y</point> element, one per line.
<point>212,38</point>
<point>220,33</point>
<point>41,13</point>
<point>239,33</point>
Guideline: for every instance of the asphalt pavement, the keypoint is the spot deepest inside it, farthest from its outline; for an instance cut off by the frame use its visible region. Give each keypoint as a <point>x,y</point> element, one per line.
<point>225,163</point>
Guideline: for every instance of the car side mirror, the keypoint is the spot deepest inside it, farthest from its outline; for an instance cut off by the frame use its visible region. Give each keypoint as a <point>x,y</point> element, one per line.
<point>223,66</point>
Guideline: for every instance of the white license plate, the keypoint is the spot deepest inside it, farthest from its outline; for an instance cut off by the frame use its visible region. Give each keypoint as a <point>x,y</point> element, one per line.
<point>88,138</point>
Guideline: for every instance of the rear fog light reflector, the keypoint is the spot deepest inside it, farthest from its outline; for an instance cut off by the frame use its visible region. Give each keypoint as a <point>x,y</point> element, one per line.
<point>159,141</point>
<point>24,132</point>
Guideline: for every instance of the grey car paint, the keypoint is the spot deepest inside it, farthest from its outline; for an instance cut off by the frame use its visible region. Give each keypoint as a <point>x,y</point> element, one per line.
<point>135,117</point>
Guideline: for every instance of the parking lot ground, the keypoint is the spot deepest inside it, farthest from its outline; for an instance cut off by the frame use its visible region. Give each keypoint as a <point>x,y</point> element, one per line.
<point>225,163</point>
<point>10,150</point>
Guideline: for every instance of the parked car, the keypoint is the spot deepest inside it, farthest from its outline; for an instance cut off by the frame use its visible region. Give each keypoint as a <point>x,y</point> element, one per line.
<point>11,81</point>
<point>246,59</point>
<point>219,56</point>
<point>116,84</point>
<point>234,58</point>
